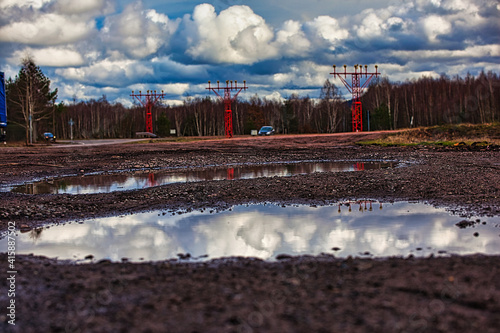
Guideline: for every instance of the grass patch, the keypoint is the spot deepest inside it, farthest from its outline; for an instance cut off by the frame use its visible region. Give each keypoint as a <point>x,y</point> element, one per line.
<point>444,135</point>
<point>384,143</point>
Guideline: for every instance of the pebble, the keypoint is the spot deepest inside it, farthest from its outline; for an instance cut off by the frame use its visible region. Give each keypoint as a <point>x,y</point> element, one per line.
<point>184,256</point>
<point>25,228</point>
<point>464,224</point>
<point>283,256</point>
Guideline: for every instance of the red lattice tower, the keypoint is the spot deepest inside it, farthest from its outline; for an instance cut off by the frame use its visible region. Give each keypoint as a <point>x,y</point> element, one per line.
<point>228,100</point>
<point>356,89</point>
<point>150,99</point>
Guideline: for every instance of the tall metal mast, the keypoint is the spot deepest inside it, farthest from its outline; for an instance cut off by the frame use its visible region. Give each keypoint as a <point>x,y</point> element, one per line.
<point>228,114</point>
<point>356,89</point>
<point>150,99</point>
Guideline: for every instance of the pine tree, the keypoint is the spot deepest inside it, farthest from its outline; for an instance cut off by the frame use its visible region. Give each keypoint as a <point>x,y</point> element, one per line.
<point>29,97</point>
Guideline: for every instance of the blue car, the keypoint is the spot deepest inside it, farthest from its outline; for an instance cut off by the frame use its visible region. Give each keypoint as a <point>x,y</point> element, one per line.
<point>266,130</point>
<point>49,137</point>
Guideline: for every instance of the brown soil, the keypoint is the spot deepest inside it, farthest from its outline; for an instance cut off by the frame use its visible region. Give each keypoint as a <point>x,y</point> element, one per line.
<point>304,294</point>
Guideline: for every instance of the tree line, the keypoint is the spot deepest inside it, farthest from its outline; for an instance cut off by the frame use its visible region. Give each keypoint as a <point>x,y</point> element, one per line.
<point>429,101</point>
<point>425,101</point>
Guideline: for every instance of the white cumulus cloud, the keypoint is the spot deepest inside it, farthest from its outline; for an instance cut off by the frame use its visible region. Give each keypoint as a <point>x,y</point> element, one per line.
<point>107,72</point>
<point>236,35</point>
<point>371,26</point>
<point>51,56</point>
<point>46,29</point>
<point>328,28</point>
<point>292,39</point>
<point>79,7</point>
<point>137,33</point>
<point>435,26</point>
<point>23,3</point>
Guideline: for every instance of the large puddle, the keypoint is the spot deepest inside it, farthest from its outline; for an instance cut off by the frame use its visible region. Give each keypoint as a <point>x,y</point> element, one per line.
<point>362,228</point>
<point>104,183</point>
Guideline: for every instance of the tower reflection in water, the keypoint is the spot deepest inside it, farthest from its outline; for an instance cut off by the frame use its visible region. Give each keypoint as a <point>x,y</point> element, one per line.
<point>110,182</point>
<point>364,205</point>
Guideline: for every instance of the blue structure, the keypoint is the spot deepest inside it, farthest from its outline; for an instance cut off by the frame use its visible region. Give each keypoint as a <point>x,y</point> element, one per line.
<point>3,108</point>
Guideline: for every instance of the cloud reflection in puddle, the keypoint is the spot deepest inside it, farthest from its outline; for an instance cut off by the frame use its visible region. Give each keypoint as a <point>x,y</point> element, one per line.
<point>265,231</point>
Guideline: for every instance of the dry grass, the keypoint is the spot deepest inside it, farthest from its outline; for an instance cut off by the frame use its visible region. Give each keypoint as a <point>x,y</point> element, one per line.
<point>444,135</point>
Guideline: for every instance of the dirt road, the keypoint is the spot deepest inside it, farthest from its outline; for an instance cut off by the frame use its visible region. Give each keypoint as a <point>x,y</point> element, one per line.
<point>88,143</point>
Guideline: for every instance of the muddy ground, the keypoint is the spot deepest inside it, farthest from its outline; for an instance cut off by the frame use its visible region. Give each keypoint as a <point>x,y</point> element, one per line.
<point>301,294</point>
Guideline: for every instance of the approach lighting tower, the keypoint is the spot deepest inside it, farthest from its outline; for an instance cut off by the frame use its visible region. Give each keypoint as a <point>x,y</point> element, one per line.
<point>228,115</point>
<point>356,88</point>
<point>150,99</point>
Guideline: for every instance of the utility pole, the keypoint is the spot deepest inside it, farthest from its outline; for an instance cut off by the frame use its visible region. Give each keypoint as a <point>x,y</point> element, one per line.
<point>368,116</point>
<point>150,99</point>
<point>71,123</point>
<point>228,114</point>
<point>356,89</point>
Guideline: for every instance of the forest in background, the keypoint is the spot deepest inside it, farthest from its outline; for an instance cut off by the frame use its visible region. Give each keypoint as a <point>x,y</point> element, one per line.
<point>390,105</point>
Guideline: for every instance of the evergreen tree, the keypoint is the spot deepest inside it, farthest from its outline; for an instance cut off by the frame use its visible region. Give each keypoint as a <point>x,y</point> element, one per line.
<point>163,125</point>
<point>29,98</point>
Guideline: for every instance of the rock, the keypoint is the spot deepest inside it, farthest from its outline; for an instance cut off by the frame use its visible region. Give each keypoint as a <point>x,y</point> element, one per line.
<point>25,228</point>
<point>362,266</point>
<point>293,281</point>
<point>184,256</point>
<point>104,261</point>
<point>283,256</point>
<point>464,224</point>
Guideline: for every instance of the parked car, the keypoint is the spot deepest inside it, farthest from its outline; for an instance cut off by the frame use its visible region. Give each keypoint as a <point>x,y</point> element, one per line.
<point>49,137</point>
<point>266,130</point>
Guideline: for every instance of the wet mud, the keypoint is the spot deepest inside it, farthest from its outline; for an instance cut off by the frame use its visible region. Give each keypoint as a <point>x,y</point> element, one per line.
<point>295,294</point>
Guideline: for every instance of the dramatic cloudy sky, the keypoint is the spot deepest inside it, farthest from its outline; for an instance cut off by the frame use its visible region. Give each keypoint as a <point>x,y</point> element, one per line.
<point>102,47</point>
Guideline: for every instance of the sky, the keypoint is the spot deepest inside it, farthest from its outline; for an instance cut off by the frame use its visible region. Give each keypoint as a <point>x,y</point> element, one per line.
<point>93,48</point>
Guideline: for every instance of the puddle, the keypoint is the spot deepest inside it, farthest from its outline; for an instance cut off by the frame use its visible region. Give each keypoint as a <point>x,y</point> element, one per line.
<point>266,230</point>
<point>105,183</point>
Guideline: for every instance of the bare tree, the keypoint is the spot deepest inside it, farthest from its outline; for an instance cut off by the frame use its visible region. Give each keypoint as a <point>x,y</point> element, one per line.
<point>330,104</point>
